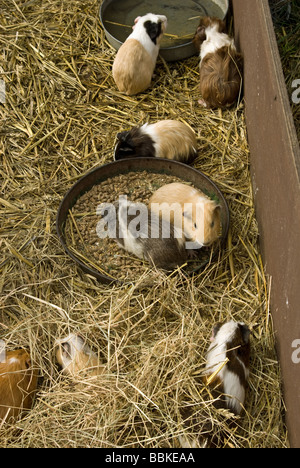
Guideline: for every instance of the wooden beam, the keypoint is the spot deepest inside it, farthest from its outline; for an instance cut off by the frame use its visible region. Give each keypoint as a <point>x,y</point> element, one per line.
<point>275,168</point>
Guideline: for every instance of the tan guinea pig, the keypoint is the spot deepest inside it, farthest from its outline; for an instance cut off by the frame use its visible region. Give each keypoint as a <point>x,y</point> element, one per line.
<point>190,210</point>
<point>75,356</point>
<point>169,139</point>
<point>220,64</point>
<point>18,385</point>
<point>135,61</point>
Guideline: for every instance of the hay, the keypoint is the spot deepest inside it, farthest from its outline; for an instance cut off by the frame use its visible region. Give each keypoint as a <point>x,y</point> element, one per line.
<point>60,119</point>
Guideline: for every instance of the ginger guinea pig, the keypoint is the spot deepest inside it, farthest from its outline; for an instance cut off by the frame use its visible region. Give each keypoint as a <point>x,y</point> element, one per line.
<point>230,346</point>
<point>75,356</point>
<point>18,384</point>
<point>190,210</point>
<point>143,233</point>
<point>136,59</point>
<point>220,64</point>
<point>169,139</point>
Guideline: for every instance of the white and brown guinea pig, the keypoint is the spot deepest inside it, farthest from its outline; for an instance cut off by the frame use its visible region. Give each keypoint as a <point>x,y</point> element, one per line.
<point>198,216</point>
<point>76,357</point>
<point>135,61</point>
<point>18,385</point>
<point>220,64</point>
<point>230,340</point>
<point>169,139</point>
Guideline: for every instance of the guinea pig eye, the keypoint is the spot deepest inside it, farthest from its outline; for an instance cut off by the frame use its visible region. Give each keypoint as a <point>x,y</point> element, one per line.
<point>212,224</point>
<point>195,225</point>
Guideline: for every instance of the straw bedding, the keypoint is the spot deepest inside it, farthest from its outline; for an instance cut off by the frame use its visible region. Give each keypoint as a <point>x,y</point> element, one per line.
<point>60,120</point>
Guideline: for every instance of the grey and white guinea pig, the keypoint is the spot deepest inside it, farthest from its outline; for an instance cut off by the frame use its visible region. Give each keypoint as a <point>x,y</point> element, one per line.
<point>136,59</point>
<point>169,139</point>
<point>75,356</point>
<point>18,384</point>
<point>230,344</point>
<point>190,210</point>
<point>220,64</point>
<point>144,234</point>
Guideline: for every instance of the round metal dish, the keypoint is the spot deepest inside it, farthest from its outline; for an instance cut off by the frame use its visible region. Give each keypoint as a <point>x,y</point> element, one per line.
<point>117,18</point>
<point>177,169</point>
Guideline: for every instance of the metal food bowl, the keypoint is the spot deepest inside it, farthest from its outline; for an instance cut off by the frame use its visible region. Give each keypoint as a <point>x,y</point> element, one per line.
<point>124,166</point>
<point>117,18</point>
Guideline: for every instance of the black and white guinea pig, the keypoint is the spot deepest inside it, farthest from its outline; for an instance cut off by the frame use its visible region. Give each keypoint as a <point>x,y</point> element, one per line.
<point>75,356</point>
<point>169,139</point>
<point>220,64</point>
<point>226,374</point>
<point>136,59</point>
<point>144,234</point>
<point>230,346</point>
<point>18,385</point>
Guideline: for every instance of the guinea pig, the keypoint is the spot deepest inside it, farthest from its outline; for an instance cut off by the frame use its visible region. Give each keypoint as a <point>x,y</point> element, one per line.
<point>169,139</point>
<point>75,356</point>
<point>135,61</point>
<point>227,364</point>
<point>220,64</point>
<point>226,374</point>
<point>190,210</point>
<point>18,385</point>
<point>144,234</point>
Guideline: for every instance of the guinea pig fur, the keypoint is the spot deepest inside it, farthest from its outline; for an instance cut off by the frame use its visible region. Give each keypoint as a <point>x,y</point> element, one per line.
<point>220,64</point>
<point>190,210</point>
<point>75,356</point>
<point>18,385</point>
<point>231,341</point>
<point>147,236</point>
<point>136,59</point>
<point>169,139</point>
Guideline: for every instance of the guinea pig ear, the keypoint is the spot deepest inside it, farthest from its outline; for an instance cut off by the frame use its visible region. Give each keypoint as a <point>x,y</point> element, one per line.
<point>201,33</point>
<point>245,332</point>
<point>66,349</point>
<point>217,209</point>
<point>215,330</point>
<point>28,362</point>
<point>222,26</point>
<point>123,136</point>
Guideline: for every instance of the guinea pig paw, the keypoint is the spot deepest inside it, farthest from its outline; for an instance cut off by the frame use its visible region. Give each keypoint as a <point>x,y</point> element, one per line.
<point>202,102</point>
<point>192,254</point>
